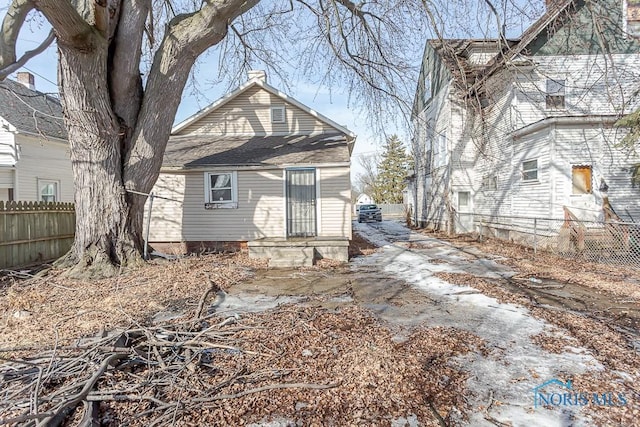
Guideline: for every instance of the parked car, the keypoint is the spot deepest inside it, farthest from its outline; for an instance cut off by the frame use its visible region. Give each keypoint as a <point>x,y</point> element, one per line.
<point>369,213</point>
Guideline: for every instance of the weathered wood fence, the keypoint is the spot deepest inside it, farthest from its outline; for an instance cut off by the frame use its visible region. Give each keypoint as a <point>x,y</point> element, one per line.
<point>32,232</point>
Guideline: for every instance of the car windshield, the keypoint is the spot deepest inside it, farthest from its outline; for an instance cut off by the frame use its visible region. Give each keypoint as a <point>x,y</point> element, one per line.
<point>368,207</point>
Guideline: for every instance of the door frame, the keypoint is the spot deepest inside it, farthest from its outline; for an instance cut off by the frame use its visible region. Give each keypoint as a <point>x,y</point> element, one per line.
<point>316,184</point>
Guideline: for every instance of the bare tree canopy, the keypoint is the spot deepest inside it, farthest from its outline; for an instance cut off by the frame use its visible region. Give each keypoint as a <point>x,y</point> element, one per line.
<point>123,65</point>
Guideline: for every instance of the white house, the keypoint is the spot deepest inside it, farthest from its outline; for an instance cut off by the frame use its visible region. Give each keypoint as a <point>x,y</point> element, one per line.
<point>34,153</point>
<point>256,167</point>
<point>525,128</point>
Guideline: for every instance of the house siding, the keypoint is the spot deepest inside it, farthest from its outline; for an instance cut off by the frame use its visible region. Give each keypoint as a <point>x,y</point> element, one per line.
<point>43,159</point>
<point>7,149</point>
<point>260,211</point>
<point>335,202</point>
<point>250,113</point>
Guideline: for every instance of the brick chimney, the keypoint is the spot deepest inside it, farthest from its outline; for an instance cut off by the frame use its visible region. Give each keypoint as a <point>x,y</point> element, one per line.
<point>257,74</point>
<point>27,79</point>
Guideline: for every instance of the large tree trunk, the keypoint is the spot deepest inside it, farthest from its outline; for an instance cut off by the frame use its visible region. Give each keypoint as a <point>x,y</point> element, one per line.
<point>108,219</point>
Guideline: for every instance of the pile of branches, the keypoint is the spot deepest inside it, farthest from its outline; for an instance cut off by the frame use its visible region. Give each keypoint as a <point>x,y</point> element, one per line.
<point>159,369</point>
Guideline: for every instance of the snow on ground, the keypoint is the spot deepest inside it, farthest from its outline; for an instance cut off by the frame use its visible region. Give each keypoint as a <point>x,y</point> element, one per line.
<point>515,365</point>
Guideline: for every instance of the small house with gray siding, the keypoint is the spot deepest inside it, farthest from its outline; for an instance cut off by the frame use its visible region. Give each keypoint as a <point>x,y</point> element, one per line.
<point>524,128</point>
<point>256,169</point>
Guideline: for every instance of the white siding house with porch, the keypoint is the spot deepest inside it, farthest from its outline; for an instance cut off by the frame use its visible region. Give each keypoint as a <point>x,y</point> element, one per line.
<point>256,167</point>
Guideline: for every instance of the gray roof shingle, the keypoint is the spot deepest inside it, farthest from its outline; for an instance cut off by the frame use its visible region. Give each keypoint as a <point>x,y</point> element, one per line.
<point>31,111</point>
<point>213,150</point>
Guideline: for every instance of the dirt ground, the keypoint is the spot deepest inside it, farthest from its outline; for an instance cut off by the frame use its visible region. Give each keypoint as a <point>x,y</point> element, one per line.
<point>310,346</point>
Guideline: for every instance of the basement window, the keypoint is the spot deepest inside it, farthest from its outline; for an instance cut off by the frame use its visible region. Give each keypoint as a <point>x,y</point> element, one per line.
<point>581,179</point>
<point>555,94</point>
<point>530,170</point>
<point>278,114</point>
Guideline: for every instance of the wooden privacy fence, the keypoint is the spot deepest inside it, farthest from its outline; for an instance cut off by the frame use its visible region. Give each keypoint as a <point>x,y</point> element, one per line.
<point>32,232</point>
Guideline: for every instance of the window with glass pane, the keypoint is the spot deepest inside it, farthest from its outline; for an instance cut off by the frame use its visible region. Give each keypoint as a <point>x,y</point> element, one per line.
<point>555,94</point>
<point>220,186</point>
<point>48,191</point>
<point>530,170</point>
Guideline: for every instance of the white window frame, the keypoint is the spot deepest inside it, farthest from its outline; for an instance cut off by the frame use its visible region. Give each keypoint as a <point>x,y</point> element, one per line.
<point>524,171</point>
<point>560,91</point>
<point>56,189</point>
<point>426,90</point>
<point>217,204</point>
<point>283,114</point>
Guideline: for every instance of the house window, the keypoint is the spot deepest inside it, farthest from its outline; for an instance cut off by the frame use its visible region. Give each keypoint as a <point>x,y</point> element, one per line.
<point>530,170</point>
<point>278,114</point>
<point>581,179</point>
<point>426,89</point>
<point>632,17</point>
<point>48,190</point>
<point>490,183</point>
<point>555,94</point>
<point>221,190</point>
<point>464,199</point>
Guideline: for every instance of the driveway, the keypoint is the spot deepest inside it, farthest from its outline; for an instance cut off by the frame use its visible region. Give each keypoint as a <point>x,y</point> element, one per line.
<point>501,386</point>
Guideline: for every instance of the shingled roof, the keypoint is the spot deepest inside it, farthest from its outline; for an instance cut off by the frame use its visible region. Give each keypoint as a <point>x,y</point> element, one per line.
<point>212,150</point>
<point>31,111</point>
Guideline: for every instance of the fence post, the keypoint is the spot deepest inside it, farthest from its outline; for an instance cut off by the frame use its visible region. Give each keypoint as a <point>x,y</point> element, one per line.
<point>146,232</point>
<point>535,236</point>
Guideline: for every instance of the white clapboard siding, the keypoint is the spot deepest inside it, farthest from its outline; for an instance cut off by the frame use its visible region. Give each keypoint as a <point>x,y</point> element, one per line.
<point>45,160</point>
<point>7,149</point>
<point>335,202</point>
<point>250,113</point>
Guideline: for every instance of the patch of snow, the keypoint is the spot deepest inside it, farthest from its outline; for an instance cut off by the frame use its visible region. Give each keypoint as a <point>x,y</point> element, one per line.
<point>514,365</point>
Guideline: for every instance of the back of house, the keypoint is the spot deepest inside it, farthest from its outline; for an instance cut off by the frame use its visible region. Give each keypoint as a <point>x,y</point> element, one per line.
<point>255,165</point>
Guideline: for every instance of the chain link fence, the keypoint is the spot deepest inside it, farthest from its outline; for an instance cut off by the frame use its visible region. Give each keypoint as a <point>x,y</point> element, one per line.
<point>596,241</point>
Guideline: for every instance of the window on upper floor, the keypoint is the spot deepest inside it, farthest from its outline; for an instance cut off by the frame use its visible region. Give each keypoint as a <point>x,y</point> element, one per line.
<point>427,163</point>
<point>555,94</point>
<point>490,183</point>
<point>426,90</point>
<point>632,17</point>
<point>48,190</point>
<point>581,179</point>
<point>530,170</point>
<point>221,190</point>
<point>278,114</point>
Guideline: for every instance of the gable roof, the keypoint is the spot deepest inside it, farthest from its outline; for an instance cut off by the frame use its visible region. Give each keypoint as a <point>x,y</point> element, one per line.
<point>555,9</point>
<point>190,151</point>
<point>256,81</point>
<point>30,111</point>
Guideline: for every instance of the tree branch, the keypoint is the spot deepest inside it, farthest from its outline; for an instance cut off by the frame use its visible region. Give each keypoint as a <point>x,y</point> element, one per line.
<point>4,72</point>
<point>69,26</point>
<point>11,25</point>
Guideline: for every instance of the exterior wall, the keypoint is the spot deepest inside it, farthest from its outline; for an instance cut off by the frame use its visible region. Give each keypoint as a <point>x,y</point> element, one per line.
<point>260,211</point>
<point>42,159</point>
<point>334,212</point>
<point>250,113</point>
<point>7,147</point>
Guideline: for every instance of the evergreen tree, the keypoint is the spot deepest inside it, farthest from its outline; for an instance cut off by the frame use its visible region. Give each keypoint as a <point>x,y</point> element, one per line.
<point>392,172</point>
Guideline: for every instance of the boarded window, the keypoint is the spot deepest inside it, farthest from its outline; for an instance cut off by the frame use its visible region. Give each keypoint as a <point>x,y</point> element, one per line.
<point>278,114</point>
<point>581,179</point>
<point>555,94</point>
<point>530,170</point>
